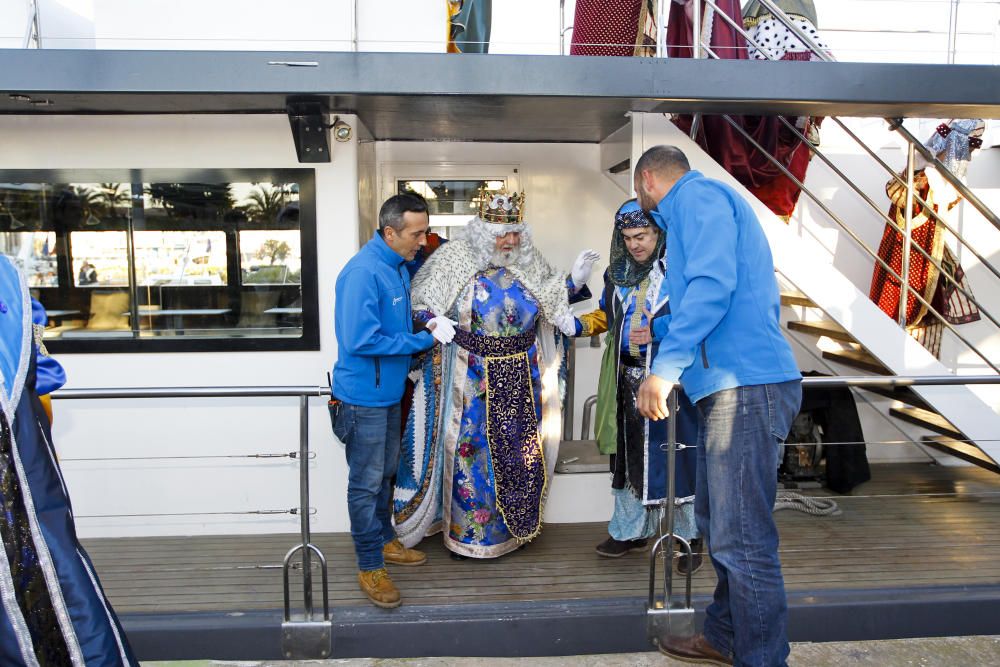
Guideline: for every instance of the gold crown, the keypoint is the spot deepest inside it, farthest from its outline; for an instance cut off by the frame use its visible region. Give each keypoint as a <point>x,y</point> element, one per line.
<point>501,207</point>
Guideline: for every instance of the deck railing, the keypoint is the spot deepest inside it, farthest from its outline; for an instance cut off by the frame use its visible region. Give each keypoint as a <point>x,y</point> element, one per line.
<point>305,636</point>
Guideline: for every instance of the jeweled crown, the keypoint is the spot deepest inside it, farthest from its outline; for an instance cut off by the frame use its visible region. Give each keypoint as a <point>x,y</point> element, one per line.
<point>501,207</point>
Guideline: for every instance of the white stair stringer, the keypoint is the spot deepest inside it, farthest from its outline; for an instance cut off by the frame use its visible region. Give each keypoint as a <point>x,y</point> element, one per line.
<point>796,258</point>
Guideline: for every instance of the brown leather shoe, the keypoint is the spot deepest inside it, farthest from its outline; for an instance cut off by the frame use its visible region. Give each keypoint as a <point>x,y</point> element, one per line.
<point>694,649</point>
<point>395,553</point>
<point>379,588</point>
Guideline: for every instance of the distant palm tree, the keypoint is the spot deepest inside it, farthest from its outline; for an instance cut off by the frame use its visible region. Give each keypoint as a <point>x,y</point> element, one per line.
<point>92,203</point>
<point>114,196</point>
<point>266,202</point>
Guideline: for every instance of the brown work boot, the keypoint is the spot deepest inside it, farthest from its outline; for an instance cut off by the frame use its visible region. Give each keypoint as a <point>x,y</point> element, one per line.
<point>694,649</point>
<point>395,553</point>
<point>379,588</point>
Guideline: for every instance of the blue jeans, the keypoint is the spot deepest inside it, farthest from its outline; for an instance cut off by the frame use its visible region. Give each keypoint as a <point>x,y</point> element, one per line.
<point>743,429</point>
<point>371,436</point>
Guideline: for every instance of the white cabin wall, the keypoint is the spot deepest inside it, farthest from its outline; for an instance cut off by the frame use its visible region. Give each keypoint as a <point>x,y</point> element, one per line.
<point>179,427</point>
<point>571,206</point>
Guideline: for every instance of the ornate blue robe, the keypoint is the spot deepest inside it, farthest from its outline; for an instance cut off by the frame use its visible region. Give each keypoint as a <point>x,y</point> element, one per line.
<point>52,608</point>
<point>483,432</point>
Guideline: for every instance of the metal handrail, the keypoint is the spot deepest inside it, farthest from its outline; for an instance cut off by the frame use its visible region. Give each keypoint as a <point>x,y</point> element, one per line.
<point>911,140</point>
<point>892,172</point>
<point>192,392</point>
<point>913,145</point>
<point>894,123</point>
<point>34,30</point>
<point>857,239</point>
<point>302,393</point>
<point>905,230</point>
<point>563,29</point>
<point>890,381</point>
<point>916,197</point>
<point>666,618</point>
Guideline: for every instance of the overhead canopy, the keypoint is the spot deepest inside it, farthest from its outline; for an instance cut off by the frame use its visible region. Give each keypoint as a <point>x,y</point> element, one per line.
<point>482,97</point>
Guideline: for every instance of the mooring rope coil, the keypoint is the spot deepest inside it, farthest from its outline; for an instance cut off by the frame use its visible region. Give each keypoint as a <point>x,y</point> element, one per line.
<point>787,500</point>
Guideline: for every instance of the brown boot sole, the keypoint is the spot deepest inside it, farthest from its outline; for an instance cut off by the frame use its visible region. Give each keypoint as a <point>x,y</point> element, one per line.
<point>691,659</point>
<point>604,554</point>
<point>384,605</point>
<point>413,563</point>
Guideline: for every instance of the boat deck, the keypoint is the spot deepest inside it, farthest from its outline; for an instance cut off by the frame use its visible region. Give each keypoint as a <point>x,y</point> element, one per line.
<point>914,528</point>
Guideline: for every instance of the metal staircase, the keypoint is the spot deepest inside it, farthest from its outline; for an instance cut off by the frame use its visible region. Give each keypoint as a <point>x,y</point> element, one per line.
<point>834,308</point>
<point>914,409</point>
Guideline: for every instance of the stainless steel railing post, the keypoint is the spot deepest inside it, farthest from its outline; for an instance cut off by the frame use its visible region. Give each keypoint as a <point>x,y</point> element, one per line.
<point>568,403</point>
<point>307,596</point>
<point>661,28</point>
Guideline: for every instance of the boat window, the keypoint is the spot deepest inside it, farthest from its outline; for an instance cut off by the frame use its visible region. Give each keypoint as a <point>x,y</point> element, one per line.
<point>450,203</point>
<point>183,261</point>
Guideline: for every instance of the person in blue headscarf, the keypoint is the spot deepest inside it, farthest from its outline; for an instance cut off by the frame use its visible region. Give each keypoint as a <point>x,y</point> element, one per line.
<point>53,610</point>
<point>636,314</point>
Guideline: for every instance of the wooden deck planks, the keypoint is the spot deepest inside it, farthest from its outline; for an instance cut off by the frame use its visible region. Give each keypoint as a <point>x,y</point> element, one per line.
<point>876,543</point>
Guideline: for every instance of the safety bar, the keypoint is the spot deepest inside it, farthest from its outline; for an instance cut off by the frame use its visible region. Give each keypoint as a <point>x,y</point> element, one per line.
<point>667,617</point>
<point>304,639</point>
<point>895,124</point>
<point>857,239</point>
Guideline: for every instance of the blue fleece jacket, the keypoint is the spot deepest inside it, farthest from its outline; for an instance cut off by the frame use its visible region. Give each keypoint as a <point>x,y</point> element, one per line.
<point>724,331</point>
<point>374,328</point>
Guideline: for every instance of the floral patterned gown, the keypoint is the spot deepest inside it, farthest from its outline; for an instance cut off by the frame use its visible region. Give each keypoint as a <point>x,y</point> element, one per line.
<point>500,307</point>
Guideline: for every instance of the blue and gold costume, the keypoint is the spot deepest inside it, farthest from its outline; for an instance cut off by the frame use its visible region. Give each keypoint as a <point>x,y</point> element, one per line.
<point>632,291</point>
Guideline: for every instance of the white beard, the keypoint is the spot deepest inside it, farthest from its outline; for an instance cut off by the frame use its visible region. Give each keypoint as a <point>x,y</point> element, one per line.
<point>502,258</point>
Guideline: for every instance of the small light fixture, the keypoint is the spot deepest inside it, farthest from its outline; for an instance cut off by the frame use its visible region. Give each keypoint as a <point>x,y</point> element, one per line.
<point>20,98</point>
<point>341,131</point>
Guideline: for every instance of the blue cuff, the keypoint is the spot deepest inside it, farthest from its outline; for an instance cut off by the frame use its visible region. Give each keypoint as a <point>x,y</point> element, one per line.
<point>579,328</point>
<point>582,294</point>
<point>662,369</point>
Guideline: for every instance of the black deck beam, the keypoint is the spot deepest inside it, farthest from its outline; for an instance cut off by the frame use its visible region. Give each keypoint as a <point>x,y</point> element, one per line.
<point>545,628</point>
<point>482,97</point>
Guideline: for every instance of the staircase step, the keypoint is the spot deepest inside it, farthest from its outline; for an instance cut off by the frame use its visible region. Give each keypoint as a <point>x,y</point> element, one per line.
<point>823,328</point>
<point>932,421</point>
<point>859,359</point>
<point>793,298</point>
<point>901,394</point>
<point>963,450</point>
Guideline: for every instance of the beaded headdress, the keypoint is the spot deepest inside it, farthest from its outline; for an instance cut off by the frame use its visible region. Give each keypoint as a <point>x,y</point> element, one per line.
<point>501,207</point>
<point>632,217</point>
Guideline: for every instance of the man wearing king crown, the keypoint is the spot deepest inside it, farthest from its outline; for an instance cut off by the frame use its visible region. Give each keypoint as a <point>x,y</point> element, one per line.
<point>482,436</point>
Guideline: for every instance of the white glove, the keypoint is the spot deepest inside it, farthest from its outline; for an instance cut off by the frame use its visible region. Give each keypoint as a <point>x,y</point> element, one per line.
<point>442,329</point>
<point>582,267</point>
<point>566,323</point>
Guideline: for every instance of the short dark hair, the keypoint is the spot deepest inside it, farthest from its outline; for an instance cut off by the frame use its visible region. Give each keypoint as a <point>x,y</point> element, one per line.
<point>392,211</point>
<point>665,160</point>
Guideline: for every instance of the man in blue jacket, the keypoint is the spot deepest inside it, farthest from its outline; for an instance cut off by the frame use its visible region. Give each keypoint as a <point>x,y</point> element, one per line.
<point>725,347</point>
<point>375,341</point>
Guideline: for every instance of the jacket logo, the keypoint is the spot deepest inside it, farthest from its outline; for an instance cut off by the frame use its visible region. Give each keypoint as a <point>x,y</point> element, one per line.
<point>396,299</point>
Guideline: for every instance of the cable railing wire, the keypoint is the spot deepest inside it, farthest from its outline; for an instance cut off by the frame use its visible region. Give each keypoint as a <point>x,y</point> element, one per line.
<point>288,455</point>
